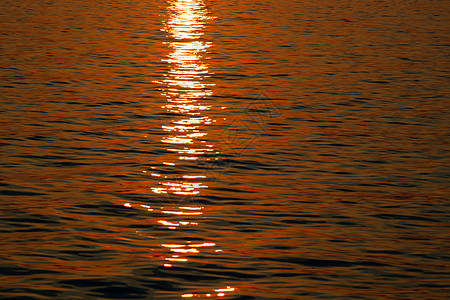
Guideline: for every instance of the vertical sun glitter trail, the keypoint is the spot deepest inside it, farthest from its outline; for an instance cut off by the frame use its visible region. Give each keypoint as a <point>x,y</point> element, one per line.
<point>181,174</point>
<point>184,87</point>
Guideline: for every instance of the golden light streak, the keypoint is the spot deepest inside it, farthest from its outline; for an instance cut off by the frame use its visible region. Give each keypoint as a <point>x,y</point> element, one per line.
<point>173,245</point>
<point>168,223</point>
<point>227,289</point>
<point>191,207</point>
<point>204,245</point>
<point>182,213</point>
<point>176,259</point>
<point>186,90</point>
<point>176,140</point>
<point>193,250</point>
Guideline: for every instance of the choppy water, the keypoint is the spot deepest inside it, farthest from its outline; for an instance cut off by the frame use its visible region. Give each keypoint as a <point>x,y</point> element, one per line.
<point>215,149</point>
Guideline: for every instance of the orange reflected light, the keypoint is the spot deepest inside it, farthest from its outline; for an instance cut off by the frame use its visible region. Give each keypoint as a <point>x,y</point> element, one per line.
<point>185,87</point>
<point>159,190</point>
<point>191,207</point>
<point>175,259</point>
<point>187,158</point>
<point>168,223</point>
<point>173,245</point>
<point>204,245</point>
<point>192,250</point>
<point>182,213</point>
<point>227,289</point>
<point>176,140</point>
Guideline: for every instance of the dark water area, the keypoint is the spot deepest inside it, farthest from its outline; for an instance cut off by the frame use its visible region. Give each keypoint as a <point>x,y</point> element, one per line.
<point>213,149</point>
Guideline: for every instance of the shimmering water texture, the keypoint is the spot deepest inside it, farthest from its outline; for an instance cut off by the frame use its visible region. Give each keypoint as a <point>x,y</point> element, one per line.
<point>209,149</point>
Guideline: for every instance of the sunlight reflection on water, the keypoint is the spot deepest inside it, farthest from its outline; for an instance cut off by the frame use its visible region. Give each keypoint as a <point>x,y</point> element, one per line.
<point>186,84</point>
<point>273,149</point>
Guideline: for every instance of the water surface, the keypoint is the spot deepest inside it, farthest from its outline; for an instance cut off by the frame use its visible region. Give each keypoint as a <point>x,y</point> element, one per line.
<point>211,149</point>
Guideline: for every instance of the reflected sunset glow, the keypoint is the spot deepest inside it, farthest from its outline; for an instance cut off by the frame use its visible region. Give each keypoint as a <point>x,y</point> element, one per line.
<point>185,86</point>
<point>213,149</point>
